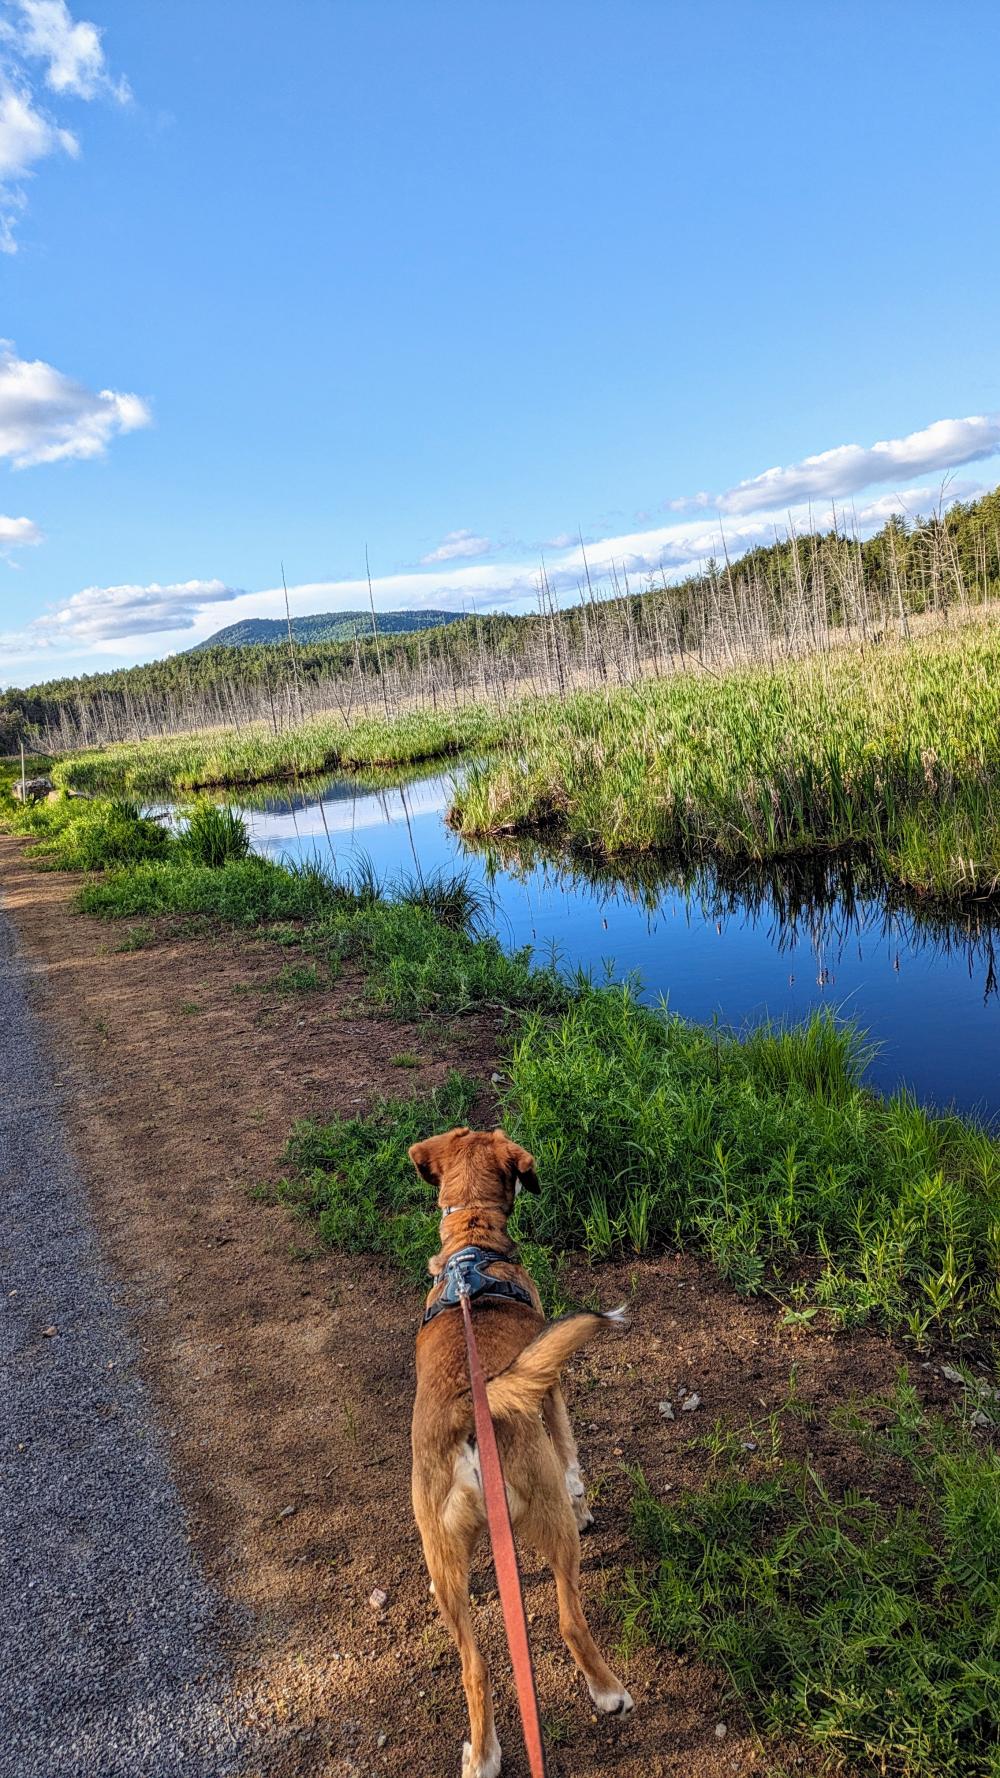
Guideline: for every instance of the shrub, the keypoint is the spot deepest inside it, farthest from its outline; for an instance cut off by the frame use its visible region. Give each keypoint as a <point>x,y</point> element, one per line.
<point>94,836</point>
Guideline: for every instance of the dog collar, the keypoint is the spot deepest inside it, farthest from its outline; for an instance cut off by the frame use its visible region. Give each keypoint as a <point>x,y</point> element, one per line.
<point>463,1275</point>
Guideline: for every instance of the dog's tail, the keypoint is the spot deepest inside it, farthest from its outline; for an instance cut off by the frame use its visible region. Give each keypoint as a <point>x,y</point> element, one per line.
<point>523,1386</point>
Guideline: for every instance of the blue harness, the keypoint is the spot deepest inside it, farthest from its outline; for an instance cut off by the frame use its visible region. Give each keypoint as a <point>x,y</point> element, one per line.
<point>463,1275</point>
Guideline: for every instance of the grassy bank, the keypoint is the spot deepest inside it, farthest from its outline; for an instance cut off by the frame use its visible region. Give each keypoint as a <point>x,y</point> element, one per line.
<point>866,1622</point>
<point>256,754</point>
<point>894,752</point>
<point>765,1152</point>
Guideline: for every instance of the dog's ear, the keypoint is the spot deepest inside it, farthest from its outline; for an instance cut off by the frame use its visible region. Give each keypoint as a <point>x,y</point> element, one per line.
<point>427,1156</point>
<point>520,1162</point>
<point>422,1156</point>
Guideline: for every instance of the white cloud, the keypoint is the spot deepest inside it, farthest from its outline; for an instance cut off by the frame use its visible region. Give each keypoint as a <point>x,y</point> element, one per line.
<point>46,416</point>
<point>15,533</point>
<point>846,470</point>
<point>71,49</point>
<point>73,64</point>
<point>458,546</point>
<point>107,613</point>
<point>26,137</point>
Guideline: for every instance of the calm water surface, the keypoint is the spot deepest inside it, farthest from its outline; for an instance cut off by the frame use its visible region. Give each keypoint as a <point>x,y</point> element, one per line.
<point>741,951</point>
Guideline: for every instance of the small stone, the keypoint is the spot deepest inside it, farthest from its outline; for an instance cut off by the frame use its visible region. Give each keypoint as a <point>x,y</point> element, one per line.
<point>951,1374</point>
<point>692,1402</point>
<point>979,1418</point>
<point>748,1444</point>
<point>496,1078</point>
<point>377,1599</point>
<point>720,1731</point>
<point>667,1409</point>
<point>47,1332</point>
<point>383,1738</point>
<point>286,1512</point>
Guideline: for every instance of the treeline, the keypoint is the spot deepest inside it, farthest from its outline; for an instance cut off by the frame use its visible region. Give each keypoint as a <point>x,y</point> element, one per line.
<point>796,594</point>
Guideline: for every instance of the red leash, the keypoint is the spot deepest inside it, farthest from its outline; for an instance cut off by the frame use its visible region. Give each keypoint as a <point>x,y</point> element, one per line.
<point>504,1555</point>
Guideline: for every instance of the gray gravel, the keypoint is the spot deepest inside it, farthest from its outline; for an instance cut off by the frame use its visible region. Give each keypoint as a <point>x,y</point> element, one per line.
<point>108,1631</point>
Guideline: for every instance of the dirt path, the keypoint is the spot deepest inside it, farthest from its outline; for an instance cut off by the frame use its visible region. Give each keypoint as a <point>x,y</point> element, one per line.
<point>283,1377</point>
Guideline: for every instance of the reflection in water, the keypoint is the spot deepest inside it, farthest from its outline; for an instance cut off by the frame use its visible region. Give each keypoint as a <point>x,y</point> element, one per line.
<point>826,903</point>
<point>738,945</point>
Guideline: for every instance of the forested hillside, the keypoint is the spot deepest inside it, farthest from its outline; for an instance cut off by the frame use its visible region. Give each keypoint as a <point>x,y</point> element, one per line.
<point>324,626</point>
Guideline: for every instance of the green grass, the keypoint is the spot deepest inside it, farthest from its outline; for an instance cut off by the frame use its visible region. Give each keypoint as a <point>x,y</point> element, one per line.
<point>354,1177</point>
<point>416,966</point>
<point>214,834</point>
<point>246,892</point>
<point>254,755</point>
<point>75,834</point>
<point>766,1153</point>
<point>893,752</point>
<point>866,1624</point>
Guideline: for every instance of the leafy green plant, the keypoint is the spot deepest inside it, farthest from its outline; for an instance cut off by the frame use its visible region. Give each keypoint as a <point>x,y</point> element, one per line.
<point>75,834</point>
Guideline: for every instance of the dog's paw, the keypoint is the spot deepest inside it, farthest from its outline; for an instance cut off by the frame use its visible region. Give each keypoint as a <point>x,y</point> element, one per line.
<point>616,1701</point>
<point>487,1766</point>
<point>583,1515</point>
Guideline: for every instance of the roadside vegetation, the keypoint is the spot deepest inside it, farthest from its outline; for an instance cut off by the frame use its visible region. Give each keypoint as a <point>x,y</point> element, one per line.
<point>866,1622</point>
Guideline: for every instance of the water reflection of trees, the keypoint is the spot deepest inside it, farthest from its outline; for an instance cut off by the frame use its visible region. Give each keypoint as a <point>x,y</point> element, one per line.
<point>829,902</point>
<point>293,795</point>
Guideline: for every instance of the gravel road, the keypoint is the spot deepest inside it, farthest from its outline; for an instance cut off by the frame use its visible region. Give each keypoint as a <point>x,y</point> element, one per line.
<point>108,1662</point>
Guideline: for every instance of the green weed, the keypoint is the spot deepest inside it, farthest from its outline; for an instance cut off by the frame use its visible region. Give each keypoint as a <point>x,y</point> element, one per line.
<point>894,753</point>
<point>214,834</point>
<point>866,1624</point>
<point>766,1153</point>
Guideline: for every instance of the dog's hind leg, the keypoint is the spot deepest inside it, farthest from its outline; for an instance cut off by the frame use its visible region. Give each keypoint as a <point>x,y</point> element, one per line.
<point>550,1528</point>
<point>448,1559</point>
<point>557,1424</point>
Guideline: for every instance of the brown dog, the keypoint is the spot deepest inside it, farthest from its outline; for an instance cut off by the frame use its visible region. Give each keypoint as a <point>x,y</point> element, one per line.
<point>479,1174</point>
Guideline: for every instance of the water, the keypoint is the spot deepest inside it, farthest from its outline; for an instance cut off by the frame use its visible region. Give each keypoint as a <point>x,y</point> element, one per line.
<point>775,944</point>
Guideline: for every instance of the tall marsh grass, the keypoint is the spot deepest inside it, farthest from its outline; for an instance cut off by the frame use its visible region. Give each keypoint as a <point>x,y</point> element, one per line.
<point>894,751</point>
<point>255,754</point>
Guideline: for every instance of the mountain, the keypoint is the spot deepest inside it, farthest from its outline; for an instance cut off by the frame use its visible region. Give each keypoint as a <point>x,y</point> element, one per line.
<point>324,626</point>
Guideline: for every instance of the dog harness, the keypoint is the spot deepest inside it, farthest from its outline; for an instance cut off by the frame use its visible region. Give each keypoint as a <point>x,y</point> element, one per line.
<point>463,1275</point>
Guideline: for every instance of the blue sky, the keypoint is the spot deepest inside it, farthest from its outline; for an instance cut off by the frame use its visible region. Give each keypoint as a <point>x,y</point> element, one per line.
<point>460,282</point>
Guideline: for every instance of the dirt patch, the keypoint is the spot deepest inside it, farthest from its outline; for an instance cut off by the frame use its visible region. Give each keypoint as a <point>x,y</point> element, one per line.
<point>283,1375</point>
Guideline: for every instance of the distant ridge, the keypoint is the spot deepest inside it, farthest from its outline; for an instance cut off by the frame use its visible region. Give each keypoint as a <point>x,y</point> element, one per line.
<point>323,626</point>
